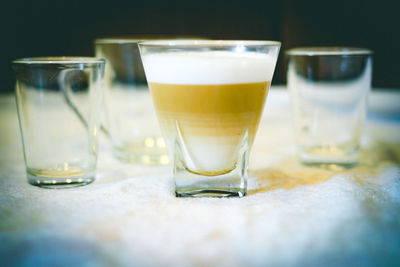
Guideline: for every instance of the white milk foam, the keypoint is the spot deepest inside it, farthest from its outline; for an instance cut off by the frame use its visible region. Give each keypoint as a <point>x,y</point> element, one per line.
<point>214,67</point>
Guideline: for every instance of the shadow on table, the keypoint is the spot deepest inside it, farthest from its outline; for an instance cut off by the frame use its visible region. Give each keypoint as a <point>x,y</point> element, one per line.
<point>290,173</point>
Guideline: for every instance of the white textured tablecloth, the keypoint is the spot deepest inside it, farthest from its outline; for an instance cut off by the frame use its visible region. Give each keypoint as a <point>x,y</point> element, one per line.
<point>293,215</point>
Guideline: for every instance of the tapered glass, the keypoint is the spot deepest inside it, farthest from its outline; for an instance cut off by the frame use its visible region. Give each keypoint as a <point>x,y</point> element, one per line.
<point>129,118</point>
<point>59,103</point>
<point>329,88</point>
<point>209,97</point>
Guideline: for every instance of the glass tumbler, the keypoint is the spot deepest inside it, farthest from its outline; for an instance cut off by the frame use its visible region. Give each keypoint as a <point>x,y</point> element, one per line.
<point>129,115</point>
<point>209,97</point>
<point>59,103</point>
<point>329,88</point>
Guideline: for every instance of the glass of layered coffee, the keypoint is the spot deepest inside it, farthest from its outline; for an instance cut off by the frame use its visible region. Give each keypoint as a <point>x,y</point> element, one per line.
<point>209,97</point>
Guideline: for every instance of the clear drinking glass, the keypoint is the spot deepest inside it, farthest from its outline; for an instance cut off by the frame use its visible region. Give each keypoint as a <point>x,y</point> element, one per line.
<point>329,88</point>
<point>129,117</point>
<point>59,103</point>
<point>209,97</point>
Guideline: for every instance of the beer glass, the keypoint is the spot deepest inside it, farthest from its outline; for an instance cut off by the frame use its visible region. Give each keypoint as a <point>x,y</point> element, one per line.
<point>59,103</point>
<point>329,88</point>
<point>209,97</point>
<point>129,117</point>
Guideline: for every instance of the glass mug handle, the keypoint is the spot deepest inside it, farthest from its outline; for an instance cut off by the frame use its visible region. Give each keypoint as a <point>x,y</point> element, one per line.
<point>64,82</point>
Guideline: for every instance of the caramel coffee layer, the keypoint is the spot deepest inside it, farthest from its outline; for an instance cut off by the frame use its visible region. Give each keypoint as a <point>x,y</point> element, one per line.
<point>210,110</point>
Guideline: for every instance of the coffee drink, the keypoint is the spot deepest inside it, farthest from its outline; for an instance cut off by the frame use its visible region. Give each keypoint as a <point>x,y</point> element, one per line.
<point>210,103</point>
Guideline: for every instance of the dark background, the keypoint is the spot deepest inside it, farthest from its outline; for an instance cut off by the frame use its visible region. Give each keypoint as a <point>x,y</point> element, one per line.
<point>68,28</point>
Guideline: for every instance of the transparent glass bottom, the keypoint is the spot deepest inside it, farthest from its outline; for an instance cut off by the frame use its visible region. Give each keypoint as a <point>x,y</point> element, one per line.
<point>226,183</point>
<point>232,184</point>
<point>330,156</point>
<point>148,150</point>
<point>53,178</point>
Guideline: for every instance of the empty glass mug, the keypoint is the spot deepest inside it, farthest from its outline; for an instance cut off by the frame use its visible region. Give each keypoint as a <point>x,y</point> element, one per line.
<point>329,88</point>
<point>209,97</point>
<point>59,103</point>
<point>129,117</point>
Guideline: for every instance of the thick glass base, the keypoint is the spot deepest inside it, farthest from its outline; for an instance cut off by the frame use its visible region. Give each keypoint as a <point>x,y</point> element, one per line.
<point>231,184</point>
<point>150,150</point>
<point>59,179</point>
<point>217,192</point>
<point>226,183</point>
<point>331,157</point>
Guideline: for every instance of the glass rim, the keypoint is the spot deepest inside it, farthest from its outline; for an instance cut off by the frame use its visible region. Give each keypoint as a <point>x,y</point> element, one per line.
<point>136,39</point>
<point>207,43</point>
<point>328,51</point>
<point>118,40</point>
<point>58,60</point>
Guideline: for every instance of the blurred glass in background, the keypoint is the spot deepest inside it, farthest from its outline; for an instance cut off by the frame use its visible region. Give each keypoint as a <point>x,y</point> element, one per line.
<point>129,116</point>
<point>329,88</point>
